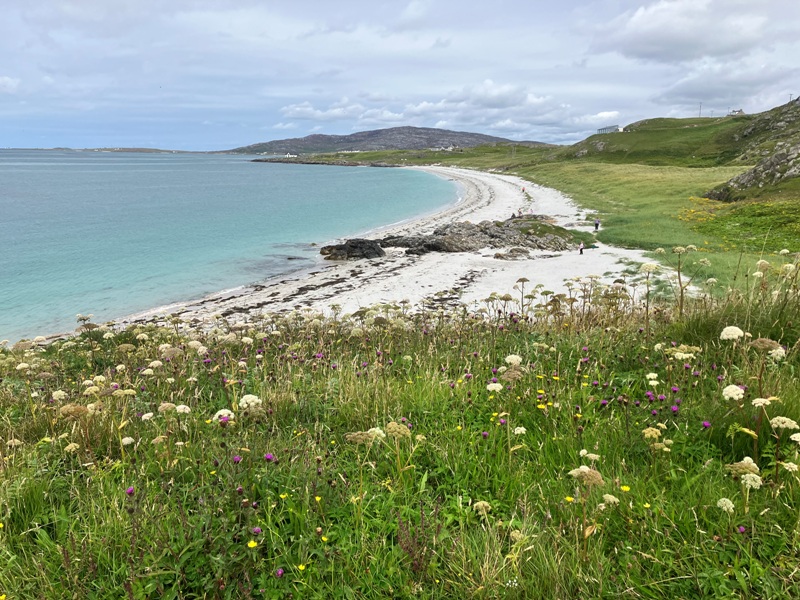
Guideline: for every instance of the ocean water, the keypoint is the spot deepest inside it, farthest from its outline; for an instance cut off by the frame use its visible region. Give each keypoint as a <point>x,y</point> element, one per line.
<point>115,233</point>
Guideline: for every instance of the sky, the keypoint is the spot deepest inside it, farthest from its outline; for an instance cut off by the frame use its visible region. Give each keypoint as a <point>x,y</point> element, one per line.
<point>219,74</point>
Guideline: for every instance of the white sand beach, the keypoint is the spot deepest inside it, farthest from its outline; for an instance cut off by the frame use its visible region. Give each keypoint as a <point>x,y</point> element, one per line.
<point>469,276</point>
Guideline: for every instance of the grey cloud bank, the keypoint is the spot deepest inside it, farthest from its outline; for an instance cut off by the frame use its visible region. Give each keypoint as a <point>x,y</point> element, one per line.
<point>216,74</point>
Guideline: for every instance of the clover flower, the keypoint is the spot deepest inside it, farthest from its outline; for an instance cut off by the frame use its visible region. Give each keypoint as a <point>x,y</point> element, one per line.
<point>731,333</point>
<point>726,505</point>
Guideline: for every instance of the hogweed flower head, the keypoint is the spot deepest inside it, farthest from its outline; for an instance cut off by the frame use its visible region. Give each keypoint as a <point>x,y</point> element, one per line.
<point>733,392</point>
<point>744,466</point>
<point>751,481</point>
<point>587,476</point>
<point>397,431</point>
<point>482,507</point>
<point>731,333</point>
<point>726,505</point>
<point>783,423</point>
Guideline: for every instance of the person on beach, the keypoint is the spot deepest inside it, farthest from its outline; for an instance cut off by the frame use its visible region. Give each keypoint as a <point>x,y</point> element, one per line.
<point>596,224</point>
<point>580,248</point>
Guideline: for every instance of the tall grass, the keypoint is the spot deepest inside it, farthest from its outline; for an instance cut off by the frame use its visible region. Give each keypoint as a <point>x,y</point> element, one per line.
<point>544,447</point>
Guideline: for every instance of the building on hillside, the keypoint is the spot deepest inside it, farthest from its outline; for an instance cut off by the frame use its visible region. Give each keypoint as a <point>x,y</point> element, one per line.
<point>610,129</point>
<point>736,113</point>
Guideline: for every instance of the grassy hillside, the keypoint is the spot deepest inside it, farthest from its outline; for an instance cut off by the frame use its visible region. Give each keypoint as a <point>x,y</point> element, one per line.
<point>647,184</point>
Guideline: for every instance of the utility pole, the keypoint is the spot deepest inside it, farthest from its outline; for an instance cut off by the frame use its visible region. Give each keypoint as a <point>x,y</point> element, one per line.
<point>700,114</point>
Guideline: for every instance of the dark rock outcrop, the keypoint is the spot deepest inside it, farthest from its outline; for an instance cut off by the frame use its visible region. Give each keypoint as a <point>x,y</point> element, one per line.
<point>520,232</point>
<point>353,249</point>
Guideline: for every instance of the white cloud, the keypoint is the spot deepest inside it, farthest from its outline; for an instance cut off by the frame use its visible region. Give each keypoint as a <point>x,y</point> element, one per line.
<point>682,30</point>
<point>8,85</point>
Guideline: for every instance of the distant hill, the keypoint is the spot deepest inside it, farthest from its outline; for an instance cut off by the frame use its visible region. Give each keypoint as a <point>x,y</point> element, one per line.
<point>394,138</point>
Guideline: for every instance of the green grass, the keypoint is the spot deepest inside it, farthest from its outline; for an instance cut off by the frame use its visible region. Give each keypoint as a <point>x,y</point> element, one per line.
<point>281,500</point>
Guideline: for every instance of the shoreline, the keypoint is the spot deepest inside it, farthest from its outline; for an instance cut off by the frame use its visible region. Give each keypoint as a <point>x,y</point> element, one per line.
<point>465,277</point>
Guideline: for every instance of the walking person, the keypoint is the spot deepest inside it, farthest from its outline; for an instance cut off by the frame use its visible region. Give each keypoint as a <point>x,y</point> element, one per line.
<point>596,224</point>
<point>580,248</point>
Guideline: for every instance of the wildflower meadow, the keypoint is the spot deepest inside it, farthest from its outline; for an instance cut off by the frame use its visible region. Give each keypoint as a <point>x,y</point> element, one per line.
<point>634,440</point>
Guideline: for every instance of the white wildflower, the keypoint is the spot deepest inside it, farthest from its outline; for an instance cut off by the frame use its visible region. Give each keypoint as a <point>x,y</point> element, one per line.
<point>751,481</point>
<point>733,392</point>
<point>514,360</point>
<point>783,423</point>
<point>726,505</point>
<point>731,333</point>
<point>494,387</point>
<point>520,431</point>
<point>147,416</point>
<point>648,267</point>
<point>777,354</point>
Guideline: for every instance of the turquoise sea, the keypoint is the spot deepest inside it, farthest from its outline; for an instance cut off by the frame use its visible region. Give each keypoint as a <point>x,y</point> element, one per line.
<point>113,233</point>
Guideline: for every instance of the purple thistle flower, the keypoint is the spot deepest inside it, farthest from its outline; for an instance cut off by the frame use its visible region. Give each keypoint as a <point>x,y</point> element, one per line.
<point>256,530</point>
<point>674,409</point>
<point>706,424</point>
<point>279,573</point>
<point>130,491</point>
<point>237,459</point>
<point>485,434</point>
<point>269,457</point>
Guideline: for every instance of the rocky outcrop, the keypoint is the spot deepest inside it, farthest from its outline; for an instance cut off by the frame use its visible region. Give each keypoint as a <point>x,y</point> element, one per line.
<point>783,164</point>
<point>521,232</point>
<point>353,249</point>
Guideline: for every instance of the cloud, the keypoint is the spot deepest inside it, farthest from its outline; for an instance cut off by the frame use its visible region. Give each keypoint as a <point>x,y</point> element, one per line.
<point>672,31</point>
<point>8,85</point>
<point>724,85</point>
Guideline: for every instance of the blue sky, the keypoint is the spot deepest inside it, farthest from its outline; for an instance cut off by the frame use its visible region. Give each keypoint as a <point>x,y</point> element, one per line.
<point>217,74</point>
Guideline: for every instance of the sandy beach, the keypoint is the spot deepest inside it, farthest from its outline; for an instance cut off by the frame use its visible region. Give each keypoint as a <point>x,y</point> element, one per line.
<point>466,277</point>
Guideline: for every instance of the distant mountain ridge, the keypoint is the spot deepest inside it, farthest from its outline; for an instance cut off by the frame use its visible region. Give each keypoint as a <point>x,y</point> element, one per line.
<point>393,138</point>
